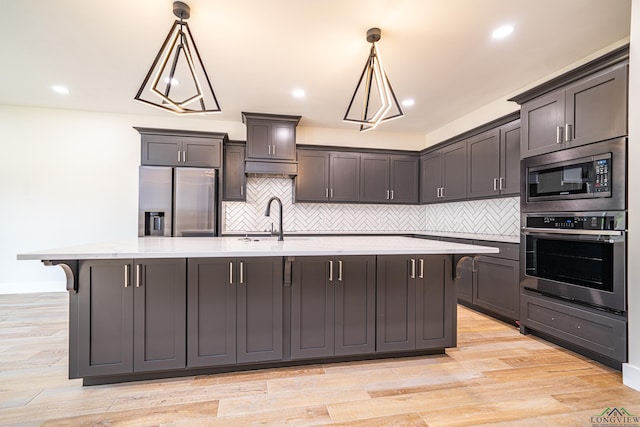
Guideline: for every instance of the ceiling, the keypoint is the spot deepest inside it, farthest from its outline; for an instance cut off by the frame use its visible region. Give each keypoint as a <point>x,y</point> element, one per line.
<point>438,52</point>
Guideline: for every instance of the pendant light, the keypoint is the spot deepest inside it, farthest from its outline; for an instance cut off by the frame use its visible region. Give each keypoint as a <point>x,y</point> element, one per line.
<point>379,102</point>
<point>177,80</point>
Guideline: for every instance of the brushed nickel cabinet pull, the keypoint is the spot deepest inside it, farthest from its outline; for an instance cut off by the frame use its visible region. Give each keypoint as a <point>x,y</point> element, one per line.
<point>274,149</point>
<point>231,272</point>
<point>241,272</point>
<point>568,132</point>
<point>331,271</point>
<point>178,156</point>
<point>501,186</point>
<point>126,275</point>
<point>413,268</point>
<point>326,192</point>
<point>184,157</point>
<point>242,190</point>
<point>558,134</point>
<point>421,275</point>
<point>269,147</point>
<point>391,194</point>
<point>339,271</point>
<point>495,184</point>
<point>137,275</point>
<point>387,194</point>
<point>331,193</point>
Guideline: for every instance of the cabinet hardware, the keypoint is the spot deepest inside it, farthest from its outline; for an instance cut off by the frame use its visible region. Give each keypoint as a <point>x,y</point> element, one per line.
<point>126,275</point>
<point>331,271</point>
<point>558,134</point>
<point>326,192</point>
<point>178,156</point>
<point>231,272</point>
<point>501,186</point>
<point>184,157</point>
<point>269,147</point>
<point>242,190</point>
<point>137,275</point>
<point>274,149</point>
<point>413,268</point>
<point>391,194</point>
<point>241,272</point>
<point>442,192</point>
<point>473,265</point>
<point>568,132</point>
<point>387,194</point>
<point>438,192</point>
<point>339,271</point>
<point>421,275</point>
<point>495,184</point>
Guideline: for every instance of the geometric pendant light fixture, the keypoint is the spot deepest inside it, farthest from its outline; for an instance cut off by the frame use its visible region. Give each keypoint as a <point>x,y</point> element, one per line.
<point>177,80</point>
<point>377,103</point>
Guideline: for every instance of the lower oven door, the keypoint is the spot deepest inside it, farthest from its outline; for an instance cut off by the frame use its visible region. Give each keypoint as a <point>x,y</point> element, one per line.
<point>583,266</point>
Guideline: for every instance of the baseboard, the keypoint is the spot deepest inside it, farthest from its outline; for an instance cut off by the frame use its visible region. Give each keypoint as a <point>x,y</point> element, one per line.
<point>631,376</point>
<point>32,287</point>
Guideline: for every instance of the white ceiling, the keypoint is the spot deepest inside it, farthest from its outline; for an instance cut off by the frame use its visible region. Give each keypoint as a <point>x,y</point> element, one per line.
<point>438,52</point>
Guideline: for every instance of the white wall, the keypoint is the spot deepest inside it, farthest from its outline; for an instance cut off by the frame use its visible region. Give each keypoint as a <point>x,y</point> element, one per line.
<point>631,371</point>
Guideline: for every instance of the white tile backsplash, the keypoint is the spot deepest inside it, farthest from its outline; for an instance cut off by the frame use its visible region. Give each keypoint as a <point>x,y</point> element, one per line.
<point>493,216</point>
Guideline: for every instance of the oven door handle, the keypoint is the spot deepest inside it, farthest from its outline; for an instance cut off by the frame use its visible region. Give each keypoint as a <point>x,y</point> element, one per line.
<point>531,230</point>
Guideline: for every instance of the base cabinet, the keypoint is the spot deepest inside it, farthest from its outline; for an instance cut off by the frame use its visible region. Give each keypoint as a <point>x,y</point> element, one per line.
<point>234,310</point>
<point>131,316</point>
<point>415,303</point>
<point>332,306</point>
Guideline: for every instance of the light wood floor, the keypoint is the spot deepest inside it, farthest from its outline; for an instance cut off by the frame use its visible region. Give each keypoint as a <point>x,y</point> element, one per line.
<point>494,377</point>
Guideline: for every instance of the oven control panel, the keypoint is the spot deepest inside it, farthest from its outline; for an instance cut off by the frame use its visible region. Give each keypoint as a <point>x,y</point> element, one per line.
<point>601,168</point>
<point>573,222</point>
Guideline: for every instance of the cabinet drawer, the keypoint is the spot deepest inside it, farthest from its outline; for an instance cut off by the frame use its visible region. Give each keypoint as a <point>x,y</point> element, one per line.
<point>507,250</point>
<point>597,331</point>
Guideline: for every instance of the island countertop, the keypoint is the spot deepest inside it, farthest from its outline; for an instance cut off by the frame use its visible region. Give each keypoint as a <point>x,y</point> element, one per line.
<point>218,247</point>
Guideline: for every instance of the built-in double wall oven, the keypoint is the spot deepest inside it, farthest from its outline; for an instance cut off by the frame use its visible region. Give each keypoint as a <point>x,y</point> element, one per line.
<point>573,240</point>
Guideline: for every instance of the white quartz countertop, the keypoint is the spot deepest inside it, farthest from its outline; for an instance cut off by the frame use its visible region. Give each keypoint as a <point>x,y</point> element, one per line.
<point>218,247</point>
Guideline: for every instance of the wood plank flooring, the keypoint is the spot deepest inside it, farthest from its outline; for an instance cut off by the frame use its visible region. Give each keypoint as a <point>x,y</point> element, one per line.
<point>495,376</point>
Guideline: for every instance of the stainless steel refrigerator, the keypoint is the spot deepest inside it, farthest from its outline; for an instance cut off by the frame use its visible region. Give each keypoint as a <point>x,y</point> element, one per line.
<point>179,202</point>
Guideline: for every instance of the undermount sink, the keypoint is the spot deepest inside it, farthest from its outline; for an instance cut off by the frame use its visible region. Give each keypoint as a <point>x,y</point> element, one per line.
<point>269,238</point>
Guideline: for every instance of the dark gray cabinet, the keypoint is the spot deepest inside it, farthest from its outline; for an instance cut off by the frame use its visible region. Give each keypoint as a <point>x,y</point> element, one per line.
<point>131,316</point>
<point>271,136</point>
<point>591,109</point>
<point>444,174</point>
<point>494,162</point>
<point>333,306</point>
<point>411,293</point>
<point>234,180</point>
<point>327,176</point>
<point>389,178</point>
<point>175,150</point>
<point>235,310</point>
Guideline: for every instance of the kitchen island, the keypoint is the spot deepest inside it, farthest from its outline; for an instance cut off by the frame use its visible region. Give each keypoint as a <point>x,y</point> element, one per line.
<point>162,307</point>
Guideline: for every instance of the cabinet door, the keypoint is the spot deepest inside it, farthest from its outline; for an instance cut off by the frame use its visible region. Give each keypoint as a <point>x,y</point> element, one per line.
<point>435,303</point>
<point>395,310</point>
<point>344,178</point>
<point>159,314</point>
<point>105,318</point>
<point>496,286</point>
<point>405,179</point>
<point>234,179</point>
<point>259,305</point>
<point>161,150</point>
<point>430,177</point>
<point>312,182</point>
<point>596,107</point>
<point>283,140</point>
<point>355,305</point>
<point>258,139</point>
<point>312,307</point>
<point>510,158</point>
<point>374,181</point>
<point>211,311</point>
<point>454,171</point>
<point>542,124</point>
<point>484,164</point>
<point>201,152</point>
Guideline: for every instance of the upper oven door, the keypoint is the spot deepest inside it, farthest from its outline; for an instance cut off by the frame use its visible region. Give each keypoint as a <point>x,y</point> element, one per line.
<point>585,178</point>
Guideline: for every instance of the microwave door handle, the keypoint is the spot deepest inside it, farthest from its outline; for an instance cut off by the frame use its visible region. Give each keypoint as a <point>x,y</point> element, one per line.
<point>541,231</point>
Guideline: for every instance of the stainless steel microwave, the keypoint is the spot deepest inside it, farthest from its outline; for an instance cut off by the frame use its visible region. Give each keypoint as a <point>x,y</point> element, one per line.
<point>589,177</point>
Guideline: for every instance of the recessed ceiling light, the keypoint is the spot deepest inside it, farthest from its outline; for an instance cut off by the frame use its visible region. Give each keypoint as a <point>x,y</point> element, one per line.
<point>298,93</point>
<point>502,32</point>
<point>408,102</point>
<point>60,89</point>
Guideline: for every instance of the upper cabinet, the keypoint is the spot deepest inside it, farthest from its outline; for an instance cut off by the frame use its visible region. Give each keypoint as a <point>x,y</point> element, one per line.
<point>271,143</point>
<point>443,174</point>
<point>327,176</point>
<point>164,147</point>
<point>389,178</point>
<point>494,162</point>
<point>586,105</point>
<point>234,179</point>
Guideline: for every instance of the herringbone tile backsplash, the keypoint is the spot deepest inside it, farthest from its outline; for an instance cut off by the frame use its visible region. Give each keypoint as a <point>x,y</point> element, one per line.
<point>498,216</point>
